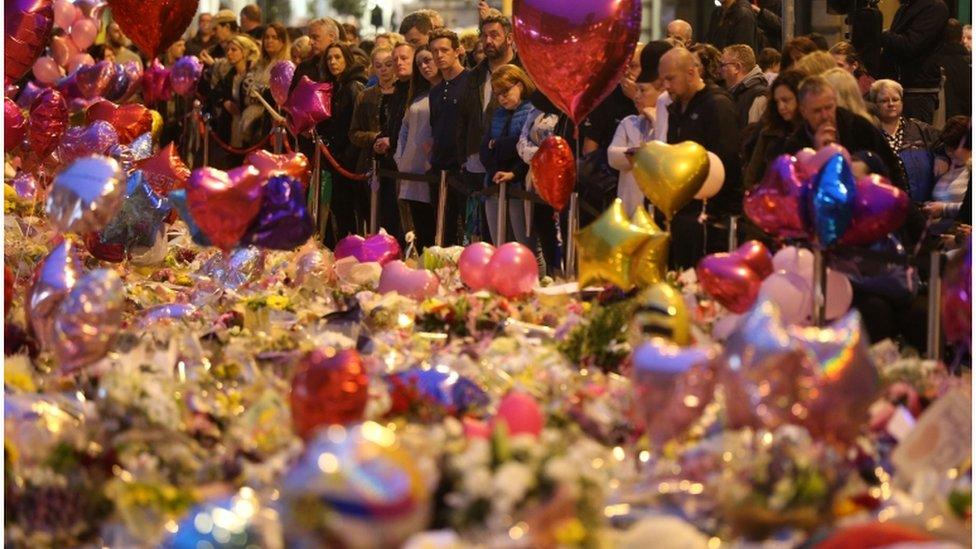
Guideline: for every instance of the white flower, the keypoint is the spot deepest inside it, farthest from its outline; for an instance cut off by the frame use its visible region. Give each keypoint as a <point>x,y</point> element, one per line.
<point>477,483</point>
<point>512,481</point>
<point>562,470</point>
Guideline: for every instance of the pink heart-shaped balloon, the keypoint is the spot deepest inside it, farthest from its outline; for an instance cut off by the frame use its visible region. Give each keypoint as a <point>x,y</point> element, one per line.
<point>92,80</point>
<point>777,204</point>
<point>223,204</point>
<point>380,248</point>
<point>155,83</point>
<point>756,255</point>
<point>294,165</point>
<point>809,161</point>
<point>599,37</point>
<point>413,283</point>
<point>879,209</point>
<point>729,280</point>
<point>97,138</point>
<point>27,25</point>
<point>185,74</point>
<point>473,265</point>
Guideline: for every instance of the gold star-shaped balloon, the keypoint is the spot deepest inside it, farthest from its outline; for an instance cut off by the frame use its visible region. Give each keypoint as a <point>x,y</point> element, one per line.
<point>650,263</point>
<point>607,246</point>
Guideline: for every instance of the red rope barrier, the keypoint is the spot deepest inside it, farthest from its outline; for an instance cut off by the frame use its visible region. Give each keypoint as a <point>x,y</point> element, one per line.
<point>227,147</point>
<point>342,171</point>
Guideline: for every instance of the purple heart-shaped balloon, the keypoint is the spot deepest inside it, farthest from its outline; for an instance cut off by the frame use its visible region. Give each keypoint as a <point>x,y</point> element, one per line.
<point>97,138</point>
<point>380,248</point>
<point>185,74</point>
<point>119,84</point>
<point>94,80</point>
<point>879,208</point>
<point>155,83</point>
<point>282,74</point>
<point>777,204</point>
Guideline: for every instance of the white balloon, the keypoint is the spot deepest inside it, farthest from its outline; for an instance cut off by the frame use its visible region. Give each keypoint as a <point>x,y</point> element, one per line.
<point>840,293</point>
<point>792,293</point>
<point>795,260</point>
<point>715,180</point>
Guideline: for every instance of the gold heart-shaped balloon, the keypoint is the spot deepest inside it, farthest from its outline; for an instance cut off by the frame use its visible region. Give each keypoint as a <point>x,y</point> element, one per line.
<point>670,175</point>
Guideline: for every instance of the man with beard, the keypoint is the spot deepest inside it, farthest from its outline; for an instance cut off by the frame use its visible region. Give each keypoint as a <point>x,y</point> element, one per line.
<point>477,101</point>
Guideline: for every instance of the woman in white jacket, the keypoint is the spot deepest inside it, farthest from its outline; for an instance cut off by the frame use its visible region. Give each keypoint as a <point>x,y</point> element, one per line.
<point>632,132</point>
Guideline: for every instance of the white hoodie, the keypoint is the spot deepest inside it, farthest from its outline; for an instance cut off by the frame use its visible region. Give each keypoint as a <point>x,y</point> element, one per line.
<point>633,131</point>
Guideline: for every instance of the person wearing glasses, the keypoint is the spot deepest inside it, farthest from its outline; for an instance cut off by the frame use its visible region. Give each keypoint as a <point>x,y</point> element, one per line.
<point>745,81</point>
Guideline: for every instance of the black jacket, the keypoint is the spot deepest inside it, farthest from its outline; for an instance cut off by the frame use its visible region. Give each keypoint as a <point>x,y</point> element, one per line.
<point>473,114</point>
<point>770,144</point>
<point>855,133</point>
<point>733,25</point>
<point>957,62</point>
<point>335,130</point>
<point>711,121</point>
<point>745,93</point>
<point>602,123</point>
<point>909,47</point>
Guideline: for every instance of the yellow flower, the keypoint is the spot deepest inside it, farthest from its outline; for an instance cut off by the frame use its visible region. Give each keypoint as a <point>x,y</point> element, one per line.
<point>278,302</point>
<point>16,374</point>
<point>570,532</point>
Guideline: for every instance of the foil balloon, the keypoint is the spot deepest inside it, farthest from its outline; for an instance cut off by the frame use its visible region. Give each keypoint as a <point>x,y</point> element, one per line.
<point>165,170</point>
<point>353,484</point>
<point>14,125</point>
<point>513,270</point>
<point>670,175</point>
<point>811,162</point>
<point>309,103</point>
<point>764,371</point>
<point>25,185</point>
<point>607,246</point>
<point>329,387</point>
<point>178,199</point>
<point>27,25</point>
<point>438,388</point>
<point>845,381</point>
<point>380,248</point>
<point>650,264</point>
<point>282,74</point>
<point>554,171</point>
<point>54,278</point>
<point>601,36</point>
<point>153,26</point>
<point>119,84</point>
<point>94,80</point>
<point>283,222</point>
<point>957,299</point>
<point>756,255</point>
<point>416,284</point>
<point>28,94</point>
<point>140,218</point>
<point>89,319</point>
<point>672,386</point>
<point>47,121</point>
<point>46,71</point>
<point>473,265</point>
<point>294,165</point>
<point>240,267</point>
<point>112,253</point>
<point>86,195</point>
<point>134,71</point>
<point>660,311</point>
<point>239,520</point>
<point>880,208</point>
<point>185,74</point>
<point>728,279</point>
<point>130,121</point>
<point>832,200</point>
<point>777,204</point>
<point>97,138</point>
<point>223,204</point>
<point>155,83</point>
<point>520,413</point>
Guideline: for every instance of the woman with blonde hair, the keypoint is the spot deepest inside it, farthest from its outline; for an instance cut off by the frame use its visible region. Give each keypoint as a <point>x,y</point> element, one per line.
<point>848,93</point>
<point>511,86</point>
<point>229,94</point>
<point>815,63</point>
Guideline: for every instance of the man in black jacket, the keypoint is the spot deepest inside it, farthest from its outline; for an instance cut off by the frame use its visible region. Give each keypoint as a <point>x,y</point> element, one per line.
<point>745,81</point>
<point>825,122</point>
<point>909,51</point>
<point>706,115</point>
<point>733,22</point>
<point>323,33</point>
<point>957,63</point>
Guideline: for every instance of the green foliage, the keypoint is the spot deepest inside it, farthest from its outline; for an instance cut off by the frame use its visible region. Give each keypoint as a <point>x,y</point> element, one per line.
<point>601,338</point>
<point>355,8</point>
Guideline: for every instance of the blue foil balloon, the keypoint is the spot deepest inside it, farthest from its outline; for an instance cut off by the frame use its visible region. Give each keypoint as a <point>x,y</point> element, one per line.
<point>119,84</point>
<point>283,222</point>
<point>440,387</point>
<point>241,520</point>
<point>832,200</point>
<point>142,214</point>
<point>177,198</point>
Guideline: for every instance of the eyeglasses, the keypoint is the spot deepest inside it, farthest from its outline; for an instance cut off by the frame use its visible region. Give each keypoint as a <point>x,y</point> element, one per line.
<point>723,65</point>
<point>889,101</point>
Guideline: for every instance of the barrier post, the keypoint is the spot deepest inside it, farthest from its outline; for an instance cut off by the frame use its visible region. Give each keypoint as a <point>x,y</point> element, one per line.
<point>314,192</point>
<point>374,200</point>
<point>206,139</point>
<point>441,207</point>
<point>933,347</point>
<point>733,233</point>
<point>572,226</point>
<point>502,219</point>
<point>819,288</point>
<point>278,139</point>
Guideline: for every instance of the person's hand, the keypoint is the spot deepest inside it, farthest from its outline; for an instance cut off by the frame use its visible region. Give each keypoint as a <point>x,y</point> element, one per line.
<point>231,107</point>
<point>483,9</point>
<point>650,113</point>
<point>206,58</point>
<point>381,145</point>
<point>940,167</point>
<point>503,177</point>
<point>755,8</point>
<point>825,135</point>
<point>629,87</point>
<point>933,209</point>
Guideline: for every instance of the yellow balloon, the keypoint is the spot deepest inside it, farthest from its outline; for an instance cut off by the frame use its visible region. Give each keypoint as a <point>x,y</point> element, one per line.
<point>650,263</point>
<point>670,175</point>
<point>157,125</point>
<point>606,248</point>
<point>660,312</point>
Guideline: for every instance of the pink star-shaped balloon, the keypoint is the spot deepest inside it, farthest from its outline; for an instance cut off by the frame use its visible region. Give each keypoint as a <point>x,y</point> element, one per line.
<point>309,103</point>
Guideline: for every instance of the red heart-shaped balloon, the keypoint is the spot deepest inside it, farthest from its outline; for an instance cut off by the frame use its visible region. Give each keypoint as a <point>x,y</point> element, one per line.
<point>92,80</point>
<point>329,387</point>
<point>113,253</point>
<point>153,26</point>
<point>756,255</point>
<point>223,204</point>
<point>729,280</point>
<point>554,171</point>
<point>777,204</point>
<point>598,37</point>
<point>155,83</point>
<point>130,120</point>
<point>14,125</point>
<point>294,165</point>
<point>48,120</point>
<point>165,170</point>
<point>879,208</point>
<point>28,25</point>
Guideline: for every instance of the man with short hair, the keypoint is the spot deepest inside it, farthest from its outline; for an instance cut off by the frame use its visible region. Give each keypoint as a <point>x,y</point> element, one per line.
<point>909,50</point>
<point>225,27</point>
<point>445,104</point>
<point>121,44</point>
<point>416,28</point>
<point>680,30</point>
<point>817,102</point>
<point>204,37</point>
<point>705,114</point>
<point>478,103</point>
<point>251,22</point>
<point>745,81</point>
<point>322,33</point>
<point>733,22</point>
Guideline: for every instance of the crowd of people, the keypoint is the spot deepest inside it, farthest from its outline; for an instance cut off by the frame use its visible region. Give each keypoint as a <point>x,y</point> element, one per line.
<point>425,100</point>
